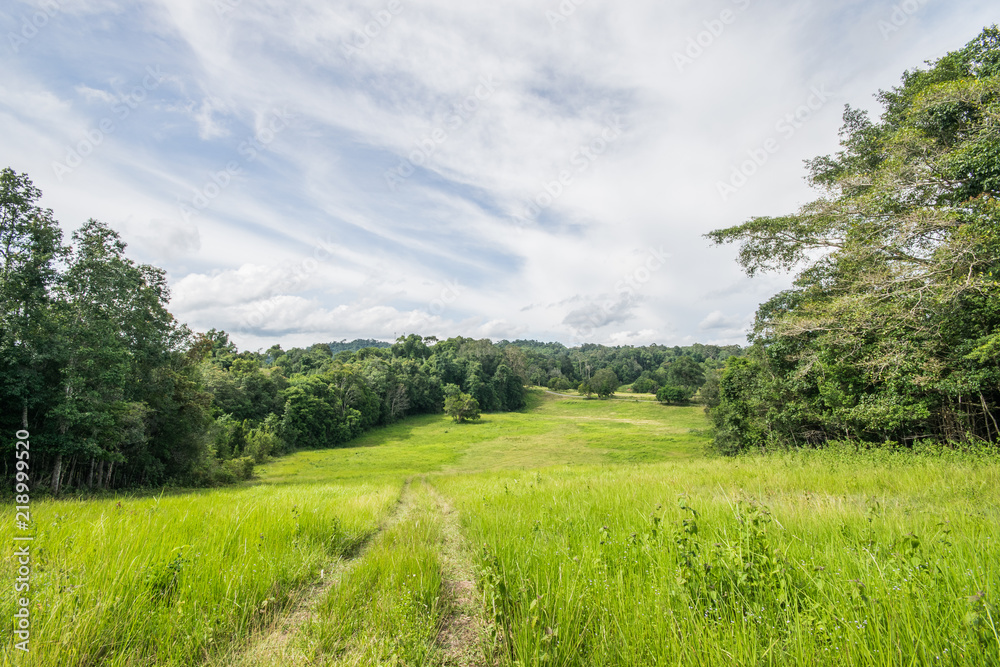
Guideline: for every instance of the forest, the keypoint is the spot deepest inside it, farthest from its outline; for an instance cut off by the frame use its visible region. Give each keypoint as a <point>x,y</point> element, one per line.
<point>891,332</point>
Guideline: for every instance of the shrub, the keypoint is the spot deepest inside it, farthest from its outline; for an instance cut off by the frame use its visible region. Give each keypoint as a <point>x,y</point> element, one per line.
<point>672,394</point>
<point>461,407</point>
<point>645,385</point>
<point>237,469</point>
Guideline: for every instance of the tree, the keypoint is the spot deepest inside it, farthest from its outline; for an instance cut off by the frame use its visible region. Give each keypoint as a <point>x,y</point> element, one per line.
<point>459,406</point>
<point>604,383</point>
<point>645,384</point>
<point>669,393</point>
<point>30,247</point>
<point>891,329</point>
<point>114,331</point>
<point>685,372</point>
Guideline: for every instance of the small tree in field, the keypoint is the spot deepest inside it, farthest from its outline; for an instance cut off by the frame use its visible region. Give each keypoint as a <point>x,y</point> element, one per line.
<point>604,383</point>
<point>585,389</point>
<point>672,394</point>
<point>461,407</point>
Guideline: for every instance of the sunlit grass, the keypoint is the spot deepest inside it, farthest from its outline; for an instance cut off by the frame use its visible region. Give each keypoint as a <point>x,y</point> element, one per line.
<point>796,559</point>
<point>167,580</point>
<point>387,607</point>
<point>604,533</point>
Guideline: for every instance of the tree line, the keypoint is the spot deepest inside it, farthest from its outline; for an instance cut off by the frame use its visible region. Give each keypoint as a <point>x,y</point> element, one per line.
<point>116,393</point>
<point>891,332</point>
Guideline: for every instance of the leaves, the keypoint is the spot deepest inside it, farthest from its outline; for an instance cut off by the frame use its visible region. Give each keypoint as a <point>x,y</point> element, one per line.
<point>897,271</point>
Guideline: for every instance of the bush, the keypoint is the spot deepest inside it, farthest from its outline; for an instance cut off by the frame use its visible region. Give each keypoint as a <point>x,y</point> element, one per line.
<point>264,441</point>
<point>645,385</point>
<point>461,407</point>
<point>559,384</point>
<point>236,469</point>
<point>672,394</point>
<point>604,383</point>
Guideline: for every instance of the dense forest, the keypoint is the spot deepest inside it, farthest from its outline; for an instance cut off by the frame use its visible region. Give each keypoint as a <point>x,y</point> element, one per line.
<point>116,393</point>
<point>891,332</point>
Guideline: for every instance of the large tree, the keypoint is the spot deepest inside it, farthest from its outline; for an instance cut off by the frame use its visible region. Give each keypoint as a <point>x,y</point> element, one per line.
<point>30,247</point>
<point>892,328</point>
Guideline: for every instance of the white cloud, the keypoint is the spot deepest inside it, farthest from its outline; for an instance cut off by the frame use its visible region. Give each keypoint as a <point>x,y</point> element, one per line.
<point>316,193</point>
<point>717,320</point>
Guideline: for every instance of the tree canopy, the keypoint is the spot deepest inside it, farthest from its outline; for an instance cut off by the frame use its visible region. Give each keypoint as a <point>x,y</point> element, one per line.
<point>892,328</point>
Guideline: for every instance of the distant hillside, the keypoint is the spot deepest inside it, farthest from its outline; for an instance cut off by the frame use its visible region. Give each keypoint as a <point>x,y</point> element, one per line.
<point>355,345</point>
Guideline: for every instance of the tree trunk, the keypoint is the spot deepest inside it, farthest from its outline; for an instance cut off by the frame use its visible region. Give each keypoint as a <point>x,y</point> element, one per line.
<point>69,477</point>
<point>100,473</point>
<point>56,472</point>
<point>107,478</point>
<point>90,475</point>
<point>24,414</point>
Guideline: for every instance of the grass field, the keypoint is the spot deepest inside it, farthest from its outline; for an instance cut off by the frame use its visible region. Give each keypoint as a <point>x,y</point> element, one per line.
<point>573,533</point>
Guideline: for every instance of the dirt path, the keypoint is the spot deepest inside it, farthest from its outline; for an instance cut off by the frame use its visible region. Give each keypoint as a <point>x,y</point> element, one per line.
<point>461,639</point>
<point>460,642</point>
<point>273,645</point>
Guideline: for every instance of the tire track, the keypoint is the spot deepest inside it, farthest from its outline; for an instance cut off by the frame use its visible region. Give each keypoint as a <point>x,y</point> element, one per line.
<point>462,640</point>
<point>274,644</point>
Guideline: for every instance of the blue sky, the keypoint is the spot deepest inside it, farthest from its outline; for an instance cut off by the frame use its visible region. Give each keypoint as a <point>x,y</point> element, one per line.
<point>313,171</point>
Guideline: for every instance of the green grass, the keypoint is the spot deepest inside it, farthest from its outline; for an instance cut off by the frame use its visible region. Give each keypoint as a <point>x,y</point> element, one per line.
<point>805,559</point>
<point>167,581</point>
<point>604,533</point>
<point>386,609</point>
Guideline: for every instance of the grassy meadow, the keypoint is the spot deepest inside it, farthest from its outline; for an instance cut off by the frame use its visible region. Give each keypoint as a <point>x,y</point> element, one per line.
<point>575,532</point>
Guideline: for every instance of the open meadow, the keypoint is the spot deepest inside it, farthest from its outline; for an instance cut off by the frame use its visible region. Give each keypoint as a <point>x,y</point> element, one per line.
<point>574,532</point>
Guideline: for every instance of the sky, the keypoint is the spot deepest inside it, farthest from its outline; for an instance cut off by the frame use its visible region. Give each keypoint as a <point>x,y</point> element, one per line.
<point>321,170</point>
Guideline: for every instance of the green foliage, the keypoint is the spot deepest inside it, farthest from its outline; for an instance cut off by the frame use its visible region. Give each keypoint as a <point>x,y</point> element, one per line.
<point>604,383</point>
<point>459,406</point>
<point>886,334</point>
<point>685,372</point>
<point>646,384</point>
<point>669,393</point>
<point>237,469</point>
<point>559,384</point>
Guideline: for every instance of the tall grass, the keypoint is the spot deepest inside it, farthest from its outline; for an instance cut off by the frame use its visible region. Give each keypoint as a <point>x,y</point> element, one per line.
<point>387,608</point>
<point>171,580</point>
<point>604,535</point>
<point>799,559</point>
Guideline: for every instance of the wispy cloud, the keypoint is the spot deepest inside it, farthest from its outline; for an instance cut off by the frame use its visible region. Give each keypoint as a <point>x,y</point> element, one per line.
<point>543,157</point>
